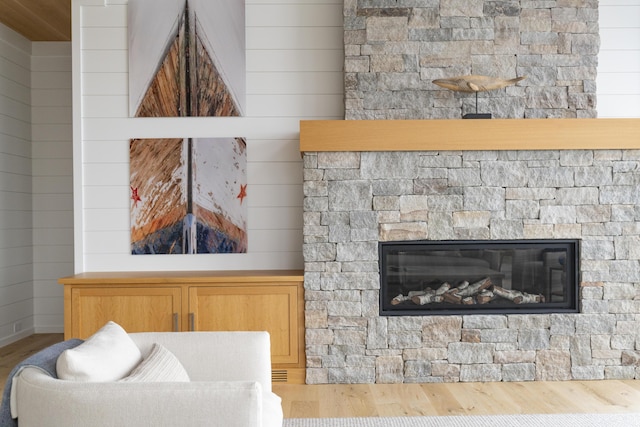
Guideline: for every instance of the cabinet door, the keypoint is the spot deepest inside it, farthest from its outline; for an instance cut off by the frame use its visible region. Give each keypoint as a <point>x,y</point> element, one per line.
<point>135,309</point>
<point>271,308</point>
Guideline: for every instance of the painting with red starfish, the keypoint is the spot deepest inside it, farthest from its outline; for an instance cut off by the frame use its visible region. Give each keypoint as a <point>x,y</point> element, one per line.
<point>188,196</point>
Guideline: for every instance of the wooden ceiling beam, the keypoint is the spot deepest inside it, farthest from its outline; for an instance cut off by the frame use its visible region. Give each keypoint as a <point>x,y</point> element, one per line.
<point>38,20</point>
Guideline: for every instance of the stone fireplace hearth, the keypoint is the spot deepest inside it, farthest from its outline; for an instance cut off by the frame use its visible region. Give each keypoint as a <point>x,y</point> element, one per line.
<point>353,200</point>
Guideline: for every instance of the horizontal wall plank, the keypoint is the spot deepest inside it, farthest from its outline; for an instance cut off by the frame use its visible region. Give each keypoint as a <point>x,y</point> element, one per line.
<point>273,150</point>
<point>275,173</point>
<point>269,260</point>
<point>112,16</point>
<point>289,84</point>
<point>294,15</point>
<point>103,38</point>
<point>114,219</point>
<point>111,61</point>
<point>15,293</point>
<point>15,182</point>
<point>51,271</point>
<point>49,306</point>
<point>292,38</point>
<point>51,97</point>
<point>617,106</point>
<point>286,61</point>
<point>105,106</point>
<point>17,201</point>
<point>619,16</point>
<point>51,115</point>
<point>301,106</point>
<point>47,79</point>
<point>15,219</point>
<point>14,72</point>
<point>106,174</point>
<point>15,274</point>
<point>105,84</point>
<point>51,132</point>
<point>55,64</point>
<point>619,38</point>
<point>54,236</point>
<point>15,236</point>
<point>617,61</point>
<point>100,129</point>
<point>52,150</point>
<point>16,146</point>
<point>16,255</point>
<point>620,84</point>
<point>52,254</point>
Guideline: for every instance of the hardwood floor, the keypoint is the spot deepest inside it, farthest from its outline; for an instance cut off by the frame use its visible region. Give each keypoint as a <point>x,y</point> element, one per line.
<point>16,352</point>
<point>383,400</point>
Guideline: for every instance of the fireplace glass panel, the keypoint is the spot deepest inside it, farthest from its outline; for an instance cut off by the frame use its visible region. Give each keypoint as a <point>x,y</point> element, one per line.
<point>451,277</point>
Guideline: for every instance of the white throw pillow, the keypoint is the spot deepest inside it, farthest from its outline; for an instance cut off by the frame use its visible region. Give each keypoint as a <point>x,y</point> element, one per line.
<point>108,355</point>
<point>160,366</point>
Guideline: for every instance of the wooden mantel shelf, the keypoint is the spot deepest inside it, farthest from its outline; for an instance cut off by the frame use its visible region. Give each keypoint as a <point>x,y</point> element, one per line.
<point>492,134</point>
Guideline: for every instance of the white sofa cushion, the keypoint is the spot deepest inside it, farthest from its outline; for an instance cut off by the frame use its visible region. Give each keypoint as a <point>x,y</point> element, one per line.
<point>108,355</point>
<point>160,366</point>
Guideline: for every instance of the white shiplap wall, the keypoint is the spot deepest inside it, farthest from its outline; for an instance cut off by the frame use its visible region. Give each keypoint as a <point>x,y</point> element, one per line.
<point>51,151</point>
<point>16,264</point>
<point>294,61</point>
<point>619,59</point>
<point>294,71</point>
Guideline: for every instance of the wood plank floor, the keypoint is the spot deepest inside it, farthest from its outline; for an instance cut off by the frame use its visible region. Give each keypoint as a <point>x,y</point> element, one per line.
<point>382,400</point>
<point>16,352</point>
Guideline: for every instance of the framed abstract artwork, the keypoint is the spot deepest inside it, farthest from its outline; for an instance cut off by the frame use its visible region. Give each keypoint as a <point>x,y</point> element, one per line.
<point>186,58</point>
<point>188,196</point>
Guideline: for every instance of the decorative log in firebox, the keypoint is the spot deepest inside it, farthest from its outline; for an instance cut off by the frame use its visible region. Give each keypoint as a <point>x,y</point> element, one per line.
<point>480,292</point>
<point>520,276</point>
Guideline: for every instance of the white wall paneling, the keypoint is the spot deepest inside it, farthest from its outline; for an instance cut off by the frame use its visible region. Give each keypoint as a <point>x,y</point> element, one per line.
<point>294,65</point>
<point>619,59</point>
<point>52,180</point>
<point>294,57</point>
<point>16,230</point>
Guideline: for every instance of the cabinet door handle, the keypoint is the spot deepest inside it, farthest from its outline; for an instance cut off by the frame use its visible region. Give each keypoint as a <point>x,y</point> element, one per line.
<point>192,321</point>
<point>175,322</point>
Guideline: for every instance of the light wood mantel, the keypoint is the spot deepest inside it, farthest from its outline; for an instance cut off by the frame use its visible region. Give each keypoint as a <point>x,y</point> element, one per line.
<point>470,134</point>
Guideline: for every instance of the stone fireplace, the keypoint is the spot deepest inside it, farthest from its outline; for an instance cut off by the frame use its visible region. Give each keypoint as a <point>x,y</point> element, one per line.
<point>354,200</point>
<point>395,48</point>
<point>379,179</point>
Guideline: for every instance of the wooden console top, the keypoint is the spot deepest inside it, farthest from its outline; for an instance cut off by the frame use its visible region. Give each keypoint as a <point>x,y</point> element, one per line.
<point>116,277</point>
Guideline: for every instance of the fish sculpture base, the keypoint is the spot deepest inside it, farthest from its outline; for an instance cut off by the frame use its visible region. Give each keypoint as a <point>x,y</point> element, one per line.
<point>477,116</point>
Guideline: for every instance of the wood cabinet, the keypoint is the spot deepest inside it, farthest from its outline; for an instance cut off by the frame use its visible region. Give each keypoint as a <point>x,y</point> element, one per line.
<point>136,309</point>
<point>270,301</point>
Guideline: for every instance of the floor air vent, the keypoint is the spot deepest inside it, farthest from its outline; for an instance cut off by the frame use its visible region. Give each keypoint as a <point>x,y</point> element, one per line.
<point>279,375</point>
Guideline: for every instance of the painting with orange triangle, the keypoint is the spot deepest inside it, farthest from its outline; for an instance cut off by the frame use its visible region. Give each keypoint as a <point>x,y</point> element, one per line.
<point>186,58</point>
<point>188,196</point>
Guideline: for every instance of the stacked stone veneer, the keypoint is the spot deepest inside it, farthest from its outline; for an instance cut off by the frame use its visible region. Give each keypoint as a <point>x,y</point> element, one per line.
<point>395,48</point>
<point>353,200</point>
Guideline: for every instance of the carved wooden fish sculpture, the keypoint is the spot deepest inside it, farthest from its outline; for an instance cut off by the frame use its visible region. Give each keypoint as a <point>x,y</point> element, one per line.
<point>474,83</point>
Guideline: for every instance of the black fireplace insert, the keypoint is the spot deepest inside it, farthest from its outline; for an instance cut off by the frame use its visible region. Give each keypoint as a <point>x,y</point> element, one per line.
<point>479,276</point>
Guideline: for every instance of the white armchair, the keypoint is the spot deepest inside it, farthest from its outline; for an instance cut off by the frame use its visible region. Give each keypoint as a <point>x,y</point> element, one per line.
<point>230,386</point>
